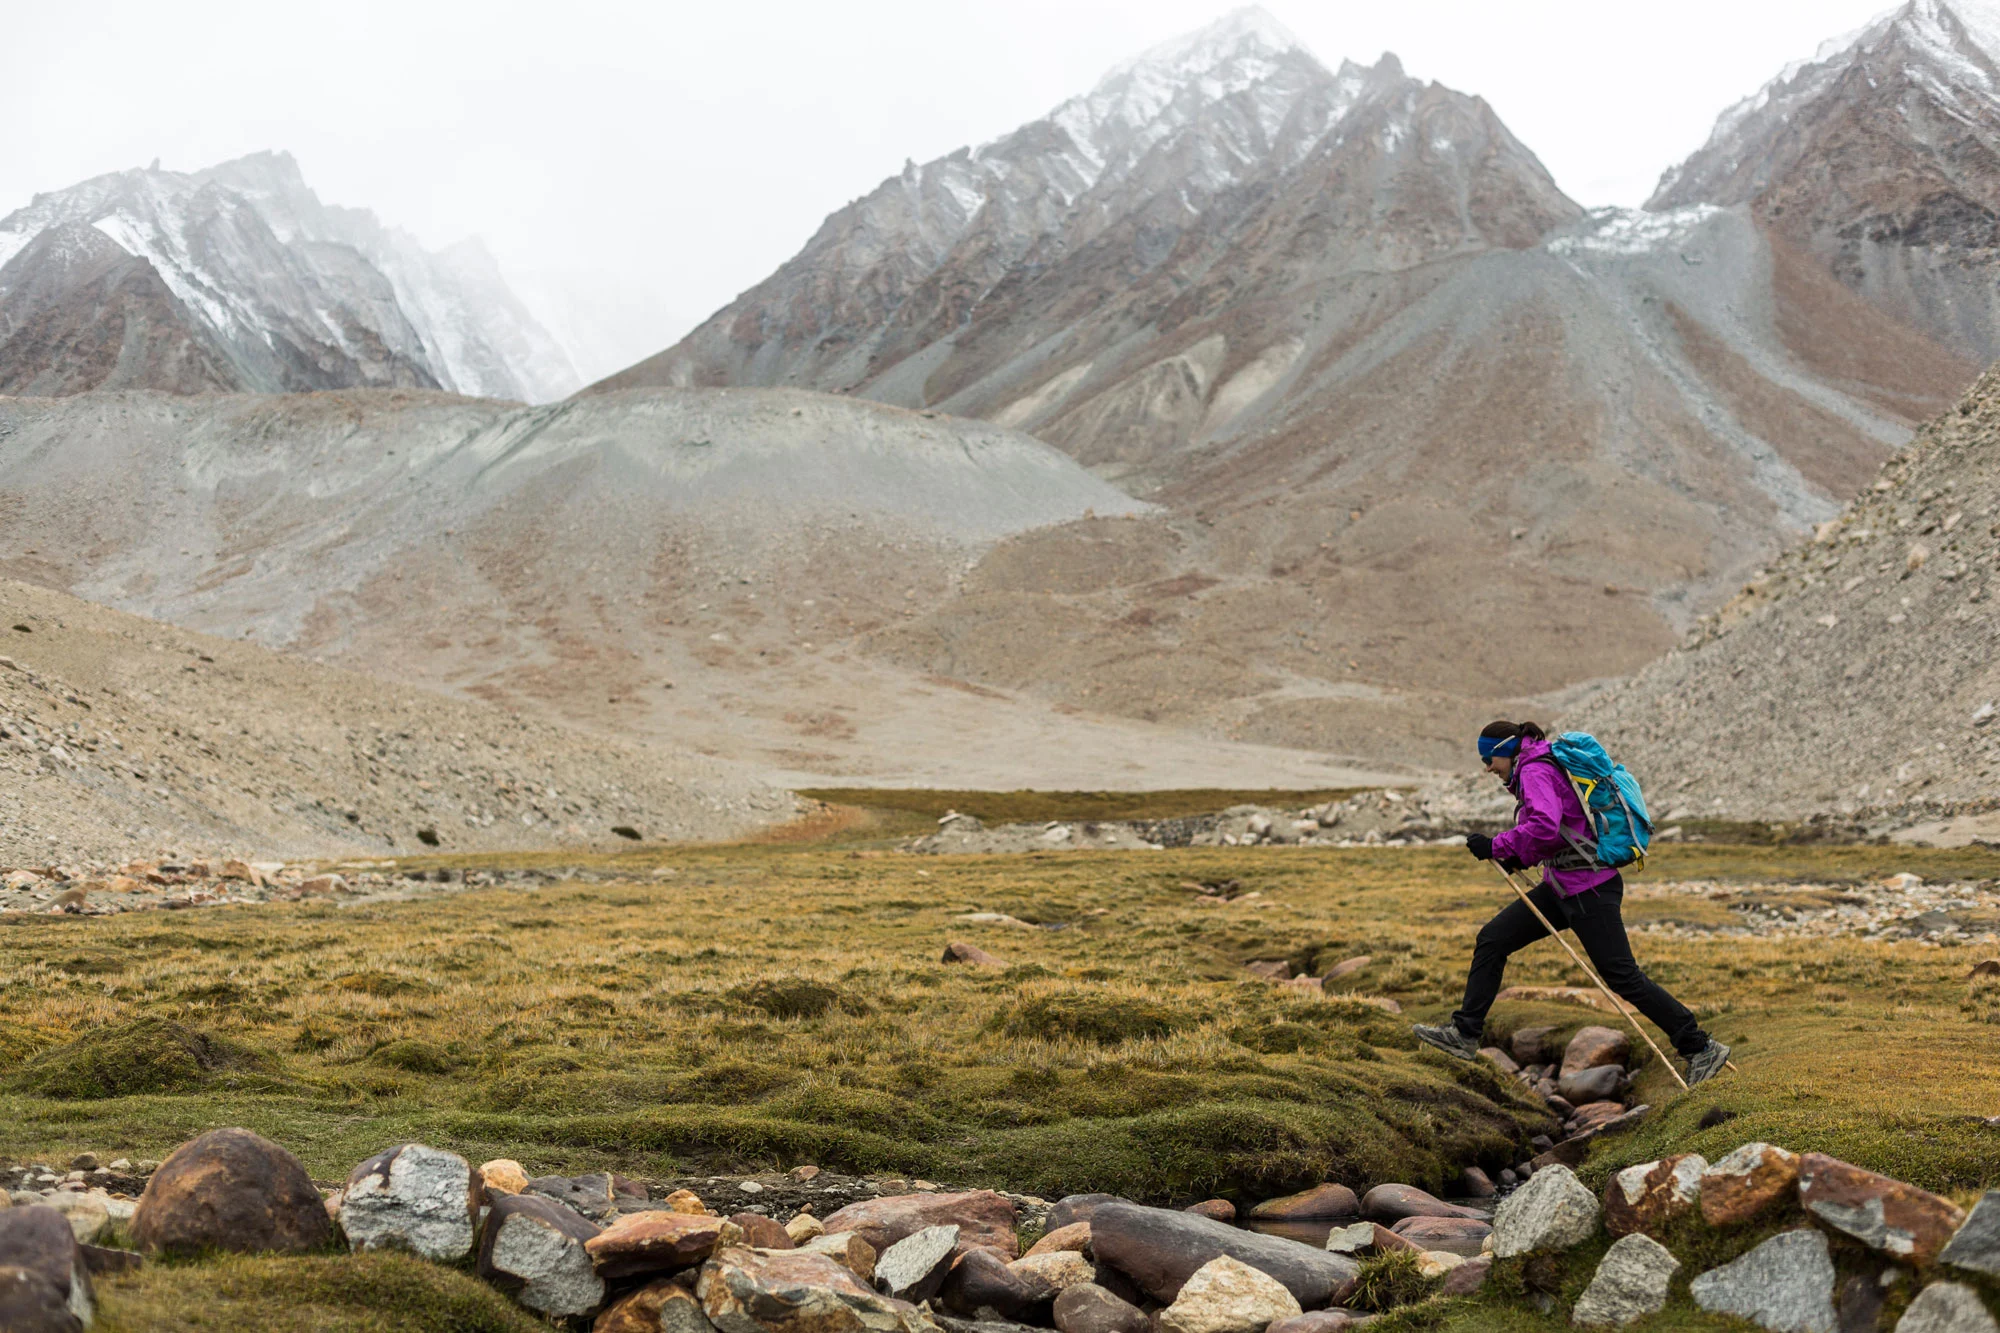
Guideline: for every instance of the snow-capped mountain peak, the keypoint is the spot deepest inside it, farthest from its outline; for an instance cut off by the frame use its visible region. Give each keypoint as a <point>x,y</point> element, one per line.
<point>287,292</point>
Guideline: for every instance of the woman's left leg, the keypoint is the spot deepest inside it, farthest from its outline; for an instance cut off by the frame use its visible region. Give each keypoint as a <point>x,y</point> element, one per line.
<point>1599,924</point>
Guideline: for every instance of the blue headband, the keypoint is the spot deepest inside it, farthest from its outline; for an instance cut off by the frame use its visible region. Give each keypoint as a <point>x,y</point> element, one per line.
<point>1506,747</point>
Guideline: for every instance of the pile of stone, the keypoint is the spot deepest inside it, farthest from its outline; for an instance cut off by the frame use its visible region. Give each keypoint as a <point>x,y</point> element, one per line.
<point>1900,907</point>
<point>603,1248</point>
<point>171,883</point>
<point>1588,1087</point>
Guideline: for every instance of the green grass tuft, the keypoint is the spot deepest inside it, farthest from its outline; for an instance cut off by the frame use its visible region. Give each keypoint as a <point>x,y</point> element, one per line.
<point>147,1055</point>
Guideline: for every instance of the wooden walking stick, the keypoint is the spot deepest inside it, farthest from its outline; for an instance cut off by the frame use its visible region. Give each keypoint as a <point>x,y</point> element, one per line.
<point>1616,1005</point>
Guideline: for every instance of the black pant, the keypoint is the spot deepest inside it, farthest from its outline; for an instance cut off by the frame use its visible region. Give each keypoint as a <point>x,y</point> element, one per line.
<point>1594,918</point>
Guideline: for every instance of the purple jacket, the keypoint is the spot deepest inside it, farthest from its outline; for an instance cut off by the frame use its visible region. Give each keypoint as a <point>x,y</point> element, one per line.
<point>1548,804</point>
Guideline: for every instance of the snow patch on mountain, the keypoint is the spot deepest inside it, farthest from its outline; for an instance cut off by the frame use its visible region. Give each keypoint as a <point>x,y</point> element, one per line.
<point>1632,231</point>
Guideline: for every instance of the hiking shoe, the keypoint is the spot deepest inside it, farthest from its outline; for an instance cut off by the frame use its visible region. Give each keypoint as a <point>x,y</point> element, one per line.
<point>1706,1063</point>
<point>1447,1039</point>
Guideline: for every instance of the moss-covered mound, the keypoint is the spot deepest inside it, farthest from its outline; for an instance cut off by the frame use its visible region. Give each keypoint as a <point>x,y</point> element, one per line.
<point>147,1055</point>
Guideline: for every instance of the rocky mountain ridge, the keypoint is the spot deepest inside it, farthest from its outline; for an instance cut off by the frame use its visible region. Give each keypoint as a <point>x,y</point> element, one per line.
<point>238,277</point>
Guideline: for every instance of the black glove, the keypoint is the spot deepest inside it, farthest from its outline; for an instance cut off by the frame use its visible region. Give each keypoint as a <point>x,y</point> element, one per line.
<point>1512,865</point>
<point>1480,846</point>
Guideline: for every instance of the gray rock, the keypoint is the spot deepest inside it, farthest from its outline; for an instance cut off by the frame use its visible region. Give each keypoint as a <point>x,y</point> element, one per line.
<point>533,1247</point>
<point>1631,1283</point>
<point>1089,1308</point>
<point>411,1198</point>
<point>44,1282</point>
<point>1947,1307</point>
<point>1078,1208</point>
<point>1553,1211</point>
<point>588,1195</point>
<point>1785,1285</point>
<point>1596,1084</point>
<point>914,1267</point>
<point>1976,1244</point>
<point>1160,1249</point>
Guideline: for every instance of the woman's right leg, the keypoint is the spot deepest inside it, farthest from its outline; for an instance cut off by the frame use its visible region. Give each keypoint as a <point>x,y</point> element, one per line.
<point>1511,931</point>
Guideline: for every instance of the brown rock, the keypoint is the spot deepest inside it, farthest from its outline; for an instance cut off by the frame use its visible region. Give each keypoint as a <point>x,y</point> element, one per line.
<point>1352,965</point>
<point>1453,1235</point>
<point>1274,970</point>
<point>659,1307</point>
<point>796,1291</point>
<point>801,1175</point>
<point>1985,967</point>
<point>636,1244</point>
<point>762,1232</point>
<point>1570,1153</point>
<point>1465,1279</point>
<point>44,1281</point>
<point>1393,1203</point>
<point>231,1190</point>
<point>1222,1210</point>
<point>504,1175</point>
<point>1500,1060</point>
<point>985,1220</point>
<point>960,952</point>
<point>322,886</point>
<point>803,1228</point>
<point>1089,1308</point>
<point>1476,1184</point>
<point>1329,1200</point>
<point>1650,1196</point>
<point>1075,1236</point>
<point>848,1250</point>
<point>981,1280</point>
<point>1593,1046</point>
<point>686,1201</point>
<point>1746,1182</point>
<point>1898,1219</point>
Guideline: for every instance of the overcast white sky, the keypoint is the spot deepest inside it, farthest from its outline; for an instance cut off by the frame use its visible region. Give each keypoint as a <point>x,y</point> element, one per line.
<point>634,165</point>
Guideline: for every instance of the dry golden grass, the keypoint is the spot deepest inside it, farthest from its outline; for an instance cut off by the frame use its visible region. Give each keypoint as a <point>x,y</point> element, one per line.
<point>763,1005</point>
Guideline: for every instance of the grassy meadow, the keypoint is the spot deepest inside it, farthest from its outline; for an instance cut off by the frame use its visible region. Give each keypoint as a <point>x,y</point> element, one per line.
<point>762,1005</point>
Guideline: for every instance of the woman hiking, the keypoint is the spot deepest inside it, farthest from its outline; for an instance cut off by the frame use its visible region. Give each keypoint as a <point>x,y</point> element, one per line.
<point>1574,892</point>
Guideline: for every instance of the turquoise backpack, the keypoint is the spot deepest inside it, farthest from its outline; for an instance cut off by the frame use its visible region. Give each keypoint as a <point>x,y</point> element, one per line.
<point>1611,801</point>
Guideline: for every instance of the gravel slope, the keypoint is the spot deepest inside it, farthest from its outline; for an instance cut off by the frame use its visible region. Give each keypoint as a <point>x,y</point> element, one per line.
<point>123,736</point>
<point>1860,674</point>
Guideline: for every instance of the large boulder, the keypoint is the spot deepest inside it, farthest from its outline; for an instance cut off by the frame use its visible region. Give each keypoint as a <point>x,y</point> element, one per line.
<point>1785,1285</point>
<point>44,1281</point>
<point>1646,1197</point>
<point>1160,1249</point>
<point>1390,1204</point>
<point>654,1242</point>
<point>1553,1211</point>
<point>1743,1184</point>
<point>985,1220</point>
<point>1630,1283</point>
<point>1079,1207</point>
<point>1450,1235</point>
<point>1089,1308</point>
<point>1594,1046</point>
<point>796,1291</point>
<point>1320,1201</point>
<point>981,1281</point>
<point>533,1247</point>
<point>414,1198</point>
<point>914,1267</point>
<point>232,1190</point>
<point>1226,1295</point>
<point>1900,1220</point>
<point>1976,1246</point>
<point>664,1306</point>
<point>1947,1307</point>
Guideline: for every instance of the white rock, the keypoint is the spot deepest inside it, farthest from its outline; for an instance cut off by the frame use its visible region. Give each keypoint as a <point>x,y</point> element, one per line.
<point>1436,1263</point>
<point>1785,1285</point>
<point>1631,1283</point>
<point>1947,1307</point>
<point>411,1197</point>
<point>1553,1211</point>
<point>1060,1269</point>
<point>1226,1295</point>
